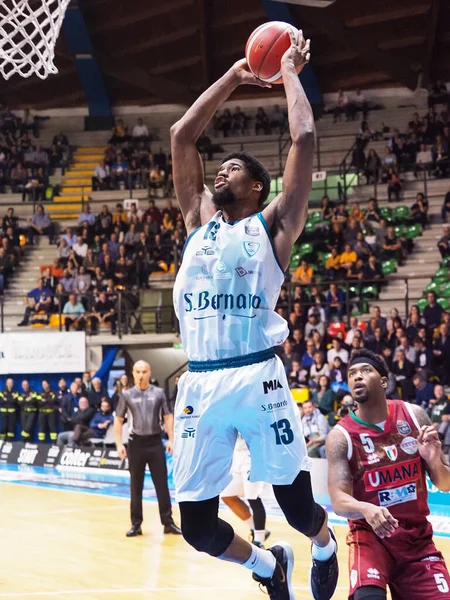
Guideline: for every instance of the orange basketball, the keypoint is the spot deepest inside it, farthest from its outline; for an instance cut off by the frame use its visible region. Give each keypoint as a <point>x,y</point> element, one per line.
<point>265,48</point>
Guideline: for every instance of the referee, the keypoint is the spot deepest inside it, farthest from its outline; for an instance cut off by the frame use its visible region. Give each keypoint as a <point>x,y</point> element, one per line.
<point>146,403</point>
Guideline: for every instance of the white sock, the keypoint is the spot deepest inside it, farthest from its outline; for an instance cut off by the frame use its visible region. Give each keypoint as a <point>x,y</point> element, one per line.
<point>324,553</point>
<point>249,522</point>
<point>260,535</point>
<point>261,562</point>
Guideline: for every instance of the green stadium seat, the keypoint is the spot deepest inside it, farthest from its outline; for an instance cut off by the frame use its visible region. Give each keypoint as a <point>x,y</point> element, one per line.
<point>422,304</point>
<point>445,290</point>
<point>440,280</point>
<point>309,227</point>
<point>388,266</point>
<point>413,231</point>
<point>445,262</point>
<point>315,217</point>
<point>386,212</point>
<point>401,214</point>
<point>369,291</point>
<point>295,261</point>
<point>434,287</point>
<point>444,302</point>
<point>442,273</point>
<point>400,230</point>
<point>305,249</point>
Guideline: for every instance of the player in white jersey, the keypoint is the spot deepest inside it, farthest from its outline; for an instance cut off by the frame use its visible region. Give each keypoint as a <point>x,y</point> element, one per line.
<point>225,295</point>
<point>241,487</point>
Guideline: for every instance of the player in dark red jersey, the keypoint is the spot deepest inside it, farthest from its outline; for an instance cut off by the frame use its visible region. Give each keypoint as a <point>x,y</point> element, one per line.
<point>378,459</point>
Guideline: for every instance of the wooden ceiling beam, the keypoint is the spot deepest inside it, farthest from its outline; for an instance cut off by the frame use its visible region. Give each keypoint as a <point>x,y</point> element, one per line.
<point>119,20</point>
<point>405,42</point>
<point>328,20</point>
<point>391,15</point>
<point>156,41</point>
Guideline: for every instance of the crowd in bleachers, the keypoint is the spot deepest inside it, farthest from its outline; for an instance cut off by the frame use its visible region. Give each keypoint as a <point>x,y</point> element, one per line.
<point>105,254</point>
<point>74,414</point>
<point>129,162</point>
<point>316,355</point>
<point>25,166</point>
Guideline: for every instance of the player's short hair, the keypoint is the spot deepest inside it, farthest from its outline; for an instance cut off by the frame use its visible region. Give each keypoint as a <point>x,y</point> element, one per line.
<point>373,359</point>
<point>257,171</point>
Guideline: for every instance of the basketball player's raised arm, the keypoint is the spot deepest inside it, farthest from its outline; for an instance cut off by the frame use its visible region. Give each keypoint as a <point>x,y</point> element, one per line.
<point>340,488</point>
<point>286,215</point>
<point>188,176</point>
<point>430,449</point>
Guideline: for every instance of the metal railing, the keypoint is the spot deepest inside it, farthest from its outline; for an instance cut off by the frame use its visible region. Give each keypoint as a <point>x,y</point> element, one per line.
<point>132,317</point>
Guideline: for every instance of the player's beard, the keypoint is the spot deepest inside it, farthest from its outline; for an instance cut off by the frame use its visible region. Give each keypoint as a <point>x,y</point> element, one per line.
<point>224,197</point>
<point>363,398</point>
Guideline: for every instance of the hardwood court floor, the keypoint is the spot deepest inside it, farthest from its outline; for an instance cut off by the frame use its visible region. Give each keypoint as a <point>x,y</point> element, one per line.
<point>69,545</point>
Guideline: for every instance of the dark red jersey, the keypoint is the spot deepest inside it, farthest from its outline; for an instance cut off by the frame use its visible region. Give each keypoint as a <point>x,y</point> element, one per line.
<point>386,466</point>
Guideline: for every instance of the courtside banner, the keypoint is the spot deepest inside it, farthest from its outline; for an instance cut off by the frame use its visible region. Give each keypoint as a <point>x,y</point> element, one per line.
<point>35,352</point>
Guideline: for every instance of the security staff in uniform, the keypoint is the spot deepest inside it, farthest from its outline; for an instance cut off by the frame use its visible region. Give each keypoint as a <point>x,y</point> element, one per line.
<point>146,403</point>
<point>9,399</point>
<point>48,411</point>
<point>29,404</point>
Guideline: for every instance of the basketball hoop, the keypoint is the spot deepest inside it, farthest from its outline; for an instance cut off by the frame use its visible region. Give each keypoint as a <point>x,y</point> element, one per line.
<point>28,33</point>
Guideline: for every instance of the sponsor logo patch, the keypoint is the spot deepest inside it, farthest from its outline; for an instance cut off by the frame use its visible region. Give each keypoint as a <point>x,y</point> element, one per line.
<point>403,427</point>
<point>399,495</point>
<point>373,573</point>
<point>391,475</point>
<point>205,251</point>
<point>251,248</point>
<point>409,445</point>
<point>373,458</point>
<point>274,406</point>
<point>189,432</point>
<point>271,386</point>
<point>391,452</point>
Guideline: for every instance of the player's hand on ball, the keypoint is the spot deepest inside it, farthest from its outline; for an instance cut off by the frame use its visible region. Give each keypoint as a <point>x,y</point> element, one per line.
<point>299,53</point>
<point>381,520</point>
<point>429,444</point>
<point>245,76</point>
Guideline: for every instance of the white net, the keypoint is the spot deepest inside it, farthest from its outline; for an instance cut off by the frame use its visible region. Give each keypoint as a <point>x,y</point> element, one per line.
<point>28,33</point>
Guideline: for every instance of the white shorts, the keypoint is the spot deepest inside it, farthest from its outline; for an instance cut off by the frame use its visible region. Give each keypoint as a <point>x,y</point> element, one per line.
<point>212,407</point>
<point>241,485</point>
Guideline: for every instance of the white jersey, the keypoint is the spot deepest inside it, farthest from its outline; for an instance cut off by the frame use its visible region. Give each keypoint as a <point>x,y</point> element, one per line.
<point>226,290</point>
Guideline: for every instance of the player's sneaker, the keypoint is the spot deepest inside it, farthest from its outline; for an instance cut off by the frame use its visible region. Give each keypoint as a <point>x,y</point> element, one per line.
<point>251,538</point>
<point>279,586</point>
<point>323,576</point>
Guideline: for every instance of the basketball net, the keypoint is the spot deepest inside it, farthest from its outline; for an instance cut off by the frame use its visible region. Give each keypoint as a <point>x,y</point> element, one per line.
<point>28,33</point>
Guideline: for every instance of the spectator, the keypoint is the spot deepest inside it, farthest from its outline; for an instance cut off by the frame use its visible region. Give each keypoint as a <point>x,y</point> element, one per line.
<point>304,273</point>
<point>69,237</point>
<point>341,106</point>
<point>403,371</point>
<point>419,210</point>
<point>288,355</point>
<point>86,216</point>
<point>438,404</point>
<point>314,324</point>
<point>444,243</point>
<point>333,264</point>
<point>432,313</point>
<point>394,185</point>
<point>79,419</point>
<point>441,353</point>
<point>41,224</point>
<point>82,282</point>
<point>101,421</point>
<point>74,314</point>
<point>239,121</point>
<point>338,373</point>
<point>445,212</point>
<point>424,159</point>
<point>424,390</point>
<point>37,300</point>
<point>372,170</point>
<point>104,312</point>
<point>315,428</point>
<point>308,356</point>
<point>323,397</point>
<point>407,348</point>
<point>298,342</point>
<point>337,349</point>
<point>392,247</point>
<point>441,157</point>
<point>297,377</point>
<point>262,123</point>
<point>80,248</point>
<point>277,119</point>
<point>140,131</point>
<point>318,368</point>
<point>95,393</point>
<point>335,303</point>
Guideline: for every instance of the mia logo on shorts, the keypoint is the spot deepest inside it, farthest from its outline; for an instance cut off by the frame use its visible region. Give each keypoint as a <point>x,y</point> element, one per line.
<point>271,386</point>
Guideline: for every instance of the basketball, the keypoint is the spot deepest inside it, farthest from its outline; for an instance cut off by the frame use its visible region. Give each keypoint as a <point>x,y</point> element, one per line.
<point>265,48</point>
